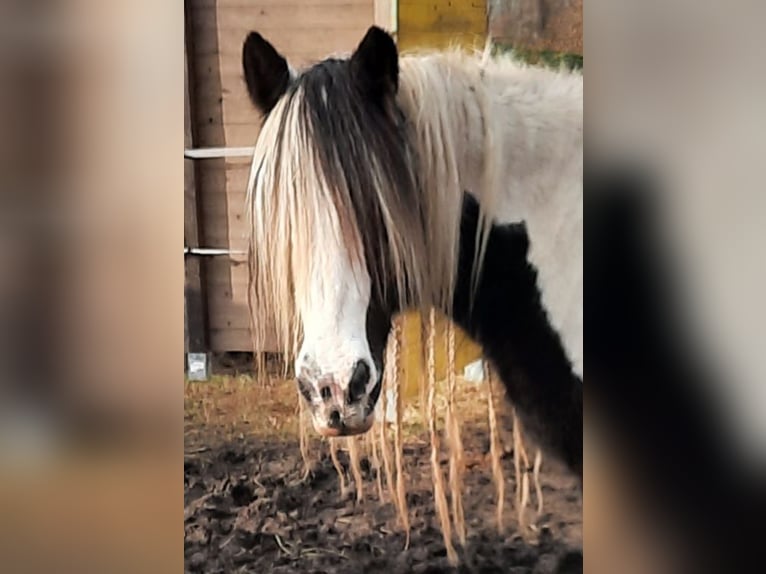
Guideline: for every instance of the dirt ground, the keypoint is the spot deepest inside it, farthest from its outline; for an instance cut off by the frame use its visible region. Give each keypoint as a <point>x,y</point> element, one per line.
<point>250,508</point>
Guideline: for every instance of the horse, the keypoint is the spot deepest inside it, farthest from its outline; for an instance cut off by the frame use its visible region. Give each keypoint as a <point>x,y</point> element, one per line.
<point>444,179</point>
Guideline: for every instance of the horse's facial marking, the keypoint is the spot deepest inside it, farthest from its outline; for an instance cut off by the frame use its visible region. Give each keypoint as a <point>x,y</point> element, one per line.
<point>339,364</point>
<point>335,362</point>
<point>357,386</point>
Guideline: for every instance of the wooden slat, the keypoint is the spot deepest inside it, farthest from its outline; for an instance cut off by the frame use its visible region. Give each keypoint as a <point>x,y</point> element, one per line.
<point>255,5</point>
<point>216,181</point>
<point>227,286</point>
<point>235,282</point>
<point>233,113</point>
<point>229,314</point>
<point>220,184</point>
<point>233,98</point>
<point>303,31</point>
<point>195,305</point>
<point>233,340</point>
<point>294,17</point>
<point>307,47</point>
<point>213,67</point>
<point>227,278</point>
<point>227,340</point>
<point>231,135</point>
<point>219,236</point>
<point>226,205</point>
<point>383,15</point>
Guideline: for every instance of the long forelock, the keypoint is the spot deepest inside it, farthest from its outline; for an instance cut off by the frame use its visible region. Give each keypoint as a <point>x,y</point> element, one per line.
<point>331,168</point>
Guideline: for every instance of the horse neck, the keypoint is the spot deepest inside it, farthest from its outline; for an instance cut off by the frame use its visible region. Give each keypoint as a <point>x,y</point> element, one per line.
<point>507,134</point>
<point>512,137</point>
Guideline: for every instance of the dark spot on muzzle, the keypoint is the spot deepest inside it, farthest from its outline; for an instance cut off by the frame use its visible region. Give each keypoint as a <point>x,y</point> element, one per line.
<point>333,421</point>
<point>372,400</point>
<point>357,386</point>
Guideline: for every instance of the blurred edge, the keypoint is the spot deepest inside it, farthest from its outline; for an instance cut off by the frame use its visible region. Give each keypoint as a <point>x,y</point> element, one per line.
<point>675,275</point>
<point>91,304</point>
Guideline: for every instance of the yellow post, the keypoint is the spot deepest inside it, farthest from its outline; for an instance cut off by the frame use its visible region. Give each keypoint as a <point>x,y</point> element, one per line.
<point>437,24</point>
<point>412,373</point>
<point>441,23</point>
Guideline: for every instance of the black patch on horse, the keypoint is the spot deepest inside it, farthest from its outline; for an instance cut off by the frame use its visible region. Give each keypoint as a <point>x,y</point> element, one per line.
<point>510,323</point>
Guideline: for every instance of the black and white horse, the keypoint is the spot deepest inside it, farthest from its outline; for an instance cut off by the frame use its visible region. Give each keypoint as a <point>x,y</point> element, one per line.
<point>440,179</point>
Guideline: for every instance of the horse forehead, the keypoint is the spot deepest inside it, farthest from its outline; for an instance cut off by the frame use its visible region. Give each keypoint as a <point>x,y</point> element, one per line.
<point>337,290</point>
<point>324,72</point>
<point>334,340</point>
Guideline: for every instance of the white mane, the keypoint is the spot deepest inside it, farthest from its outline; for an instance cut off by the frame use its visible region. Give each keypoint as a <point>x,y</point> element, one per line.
<point>511,135</point>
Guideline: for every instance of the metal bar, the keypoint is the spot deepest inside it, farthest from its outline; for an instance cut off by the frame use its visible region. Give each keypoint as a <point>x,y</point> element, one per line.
<point>218,152</point>
<point>211,251</point>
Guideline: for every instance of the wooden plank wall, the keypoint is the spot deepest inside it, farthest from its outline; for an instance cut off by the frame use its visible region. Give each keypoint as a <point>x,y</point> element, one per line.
<point>195,299</point>
<point>303,31</point>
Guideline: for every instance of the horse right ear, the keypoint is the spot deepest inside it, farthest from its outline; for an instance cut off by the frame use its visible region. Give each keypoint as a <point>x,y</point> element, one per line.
<point>375,65</point>
<point>266,72</point>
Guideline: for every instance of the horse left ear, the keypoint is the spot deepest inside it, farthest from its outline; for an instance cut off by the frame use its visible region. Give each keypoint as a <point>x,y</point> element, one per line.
<point>375,65</point>
<point>267,74</point>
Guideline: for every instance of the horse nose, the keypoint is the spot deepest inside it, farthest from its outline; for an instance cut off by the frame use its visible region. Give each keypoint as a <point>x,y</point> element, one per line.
<point>357,386</point>
<point>325,392</point>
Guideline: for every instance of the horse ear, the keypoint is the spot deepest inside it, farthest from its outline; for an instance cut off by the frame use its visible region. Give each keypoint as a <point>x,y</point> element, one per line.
<point>266,72</point>
<point>375,65</point>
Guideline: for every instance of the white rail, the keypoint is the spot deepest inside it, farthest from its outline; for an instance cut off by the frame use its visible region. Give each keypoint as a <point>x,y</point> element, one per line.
<point>218,152</point>
<point>215,153</point>
<point>211,251</point>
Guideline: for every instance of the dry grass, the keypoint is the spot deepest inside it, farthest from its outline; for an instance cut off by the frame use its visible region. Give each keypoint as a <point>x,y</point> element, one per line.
<point>229,408</point>
<point>231,405</point>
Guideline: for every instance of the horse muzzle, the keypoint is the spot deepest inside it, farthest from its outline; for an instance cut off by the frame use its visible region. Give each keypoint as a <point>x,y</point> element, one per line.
<point>336,412</point>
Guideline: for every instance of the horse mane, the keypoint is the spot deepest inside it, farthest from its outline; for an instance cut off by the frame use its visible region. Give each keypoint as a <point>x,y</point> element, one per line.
<point>382,182</point>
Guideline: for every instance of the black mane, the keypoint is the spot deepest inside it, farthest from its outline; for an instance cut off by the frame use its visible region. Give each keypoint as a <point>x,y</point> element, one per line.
<point>350,131</point>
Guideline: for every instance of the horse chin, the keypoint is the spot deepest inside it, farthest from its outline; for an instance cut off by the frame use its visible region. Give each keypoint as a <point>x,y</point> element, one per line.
<point>345,430</point>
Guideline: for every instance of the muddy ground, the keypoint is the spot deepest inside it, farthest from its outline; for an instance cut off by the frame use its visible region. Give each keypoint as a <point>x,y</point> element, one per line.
<point>250,508</point>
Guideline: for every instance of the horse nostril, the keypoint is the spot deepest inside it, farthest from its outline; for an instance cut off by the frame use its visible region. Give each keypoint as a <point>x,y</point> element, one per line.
<point>334,420</point>
<point>325,392</point>
<point>359,379</point>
